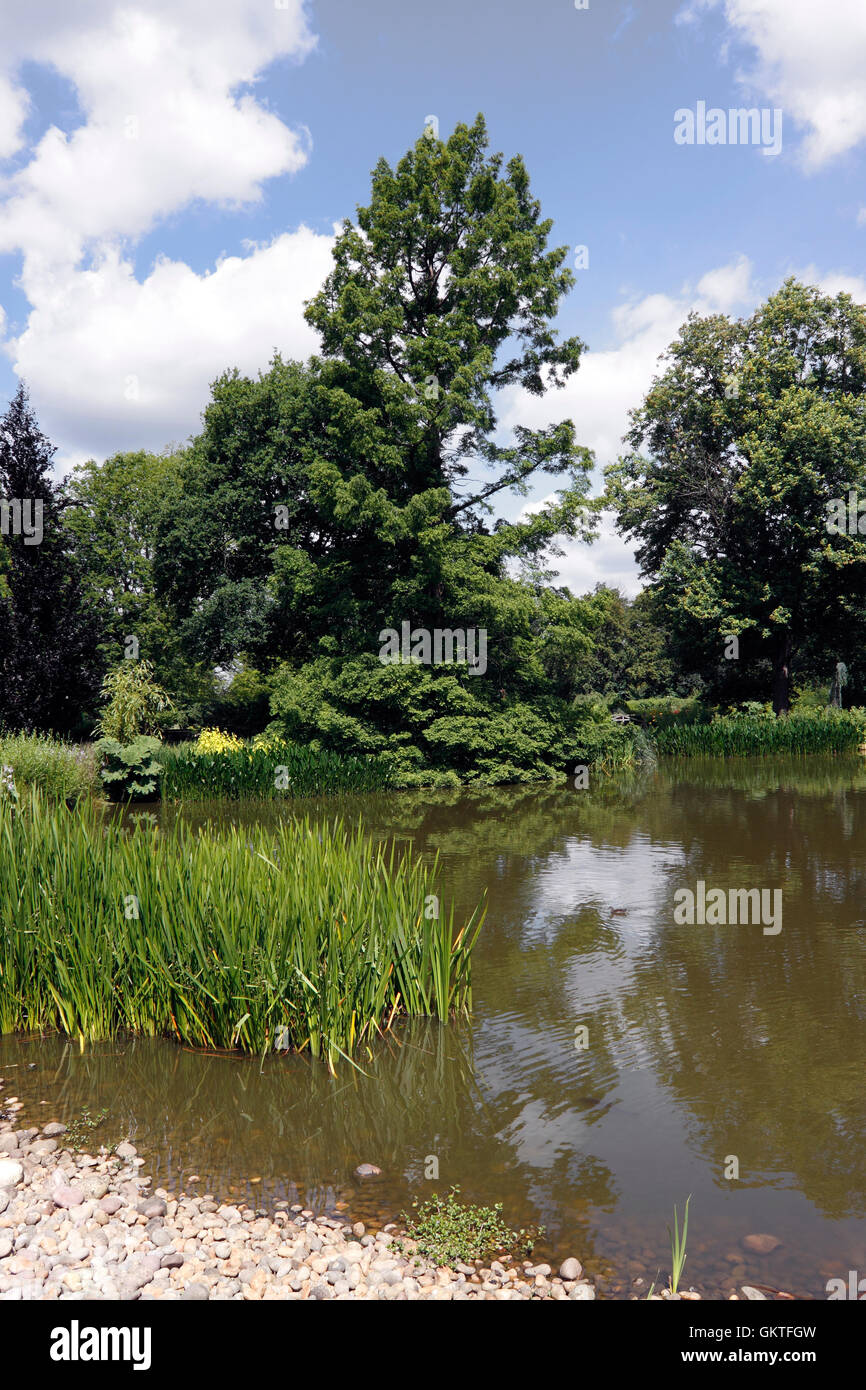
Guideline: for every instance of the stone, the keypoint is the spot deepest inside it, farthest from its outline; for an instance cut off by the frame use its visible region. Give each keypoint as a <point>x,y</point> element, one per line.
<point>367,1170</point>
<point>111,1204</point>
<point>171,1260</point>
<point>11,1172</point>
<point>41,1148</point>
<point>64,1196</point>
<point>152,1206</point>
<point>5,1247</point>
<point>52,1130</point>
<point>761,1244</point>
<point>195,1293</point>
<point>126,1150</point>
<point>582,1293</point>
<point>753,1294</point>
<point>570,1269</point>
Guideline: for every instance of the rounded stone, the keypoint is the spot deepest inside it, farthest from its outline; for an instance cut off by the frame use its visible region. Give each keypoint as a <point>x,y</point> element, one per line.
<point>582,1293</point>
<point>761,1244</point>
<point>64,1196</point>
<point>570,1269</point>
<point>11,1172</point>
<point>367,1170</point>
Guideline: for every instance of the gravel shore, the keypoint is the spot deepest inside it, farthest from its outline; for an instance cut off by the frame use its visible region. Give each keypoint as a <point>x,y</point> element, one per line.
<point>78,1226</point>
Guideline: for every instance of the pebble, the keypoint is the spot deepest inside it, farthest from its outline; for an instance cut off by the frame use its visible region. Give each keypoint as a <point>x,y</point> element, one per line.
<point>75,1226</point>
<point>367,1170</point>
<point>761,1244</point>
<point>11,1172</point>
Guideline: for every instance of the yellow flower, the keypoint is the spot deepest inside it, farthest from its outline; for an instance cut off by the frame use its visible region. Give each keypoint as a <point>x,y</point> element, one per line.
<point>216,741</point>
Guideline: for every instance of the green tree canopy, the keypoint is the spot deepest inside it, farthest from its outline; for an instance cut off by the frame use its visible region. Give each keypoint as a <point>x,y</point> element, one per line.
<point>752,432</point>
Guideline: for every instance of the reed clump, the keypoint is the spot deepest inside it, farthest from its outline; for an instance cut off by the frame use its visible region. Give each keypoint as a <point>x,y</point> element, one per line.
<point>744,736</point>
<point>273,770</point>
<point>301,938</point>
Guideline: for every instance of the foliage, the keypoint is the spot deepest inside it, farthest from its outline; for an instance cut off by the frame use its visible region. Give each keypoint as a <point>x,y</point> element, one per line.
<point>134,702</point>
<point>215,741</point>
<point>754,430</point>
<point>63,771</point>
<point>272,768</point>
<point>79,1130</point>
<point>130,772</point>
<point>308,937</point>
<point>748,734</point>
<point>448,1231</point>
<point>440,726</point>
<point>110,512</point>
<point>49,668</point>
<point>668,709</point>
<point>678,1246</point>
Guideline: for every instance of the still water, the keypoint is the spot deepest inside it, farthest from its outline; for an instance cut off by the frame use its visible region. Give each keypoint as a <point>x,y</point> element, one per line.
<point>704,1043</point>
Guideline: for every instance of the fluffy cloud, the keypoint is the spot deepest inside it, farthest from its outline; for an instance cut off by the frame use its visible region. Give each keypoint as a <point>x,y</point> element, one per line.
<point>810,62</point>
<point>168,116</point>
<point>165,120</point>
<point>115,363</point>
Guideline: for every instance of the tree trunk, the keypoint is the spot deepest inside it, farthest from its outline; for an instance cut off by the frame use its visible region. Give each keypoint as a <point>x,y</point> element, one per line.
<point>782,675</point>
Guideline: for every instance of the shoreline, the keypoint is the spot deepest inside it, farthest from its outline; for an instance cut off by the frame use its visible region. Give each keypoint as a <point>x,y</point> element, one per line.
<point>78,1226</point>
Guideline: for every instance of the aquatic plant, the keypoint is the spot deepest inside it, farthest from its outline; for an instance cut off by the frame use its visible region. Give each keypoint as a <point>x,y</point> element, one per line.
<point>747,735</point>
<point>130,772</point>
<point>274,769</point>
<point>62,770</point>
<point>678,1245</point>
<point>449,1232</point>
<point>225,939</point>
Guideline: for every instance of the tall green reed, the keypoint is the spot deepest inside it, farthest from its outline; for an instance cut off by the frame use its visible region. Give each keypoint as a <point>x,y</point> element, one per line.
<point>741,737</point>
<point>278,771</point>
<point>302,937</point>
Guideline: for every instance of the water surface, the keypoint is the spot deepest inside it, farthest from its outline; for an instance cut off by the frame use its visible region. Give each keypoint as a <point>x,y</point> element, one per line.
<point>705,1043</point>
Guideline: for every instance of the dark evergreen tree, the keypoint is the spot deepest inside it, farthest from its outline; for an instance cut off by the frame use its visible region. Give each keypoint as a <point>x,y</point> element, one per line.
<point>49,670</point>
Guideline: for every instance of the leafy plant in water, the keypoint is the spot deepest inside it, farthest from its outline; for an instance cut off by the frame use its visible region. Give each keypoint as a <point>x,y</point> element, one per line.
<point>79,1129</point>
<point>132,772</point>
<point>449,1232</point>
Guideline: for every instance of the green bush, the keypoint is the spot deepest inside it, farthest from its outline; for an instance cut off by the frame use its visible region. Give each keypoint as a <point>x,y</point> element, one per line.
<point>664,710</point>
<point>130,772</point>
<point>304,937</point>
<point>63,771</point>
<point>135,702</point>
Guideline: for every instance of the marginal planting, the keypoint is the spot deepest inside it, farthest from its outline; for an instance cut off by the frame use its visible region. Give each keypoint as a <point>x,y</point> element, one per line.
<point>301,938</point>
<point>63,771</point>
<point>277,769</point>
<point>839,732</point>
<point>449,1231</point>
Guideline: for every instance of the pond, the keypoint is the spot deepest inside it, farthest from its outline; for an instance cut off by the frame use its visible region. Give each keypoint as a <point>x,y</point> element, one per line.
<point>704,1044</point>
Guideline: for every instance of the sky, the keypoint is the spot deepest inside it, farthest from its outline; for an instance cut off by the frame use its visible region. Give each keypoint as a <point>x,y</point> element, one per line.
<point>172,174</point>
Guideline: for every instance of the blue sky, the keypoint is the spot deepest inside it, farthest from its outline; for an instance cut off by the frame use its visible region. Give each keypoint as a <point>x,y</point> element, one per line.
<point>171,173</point>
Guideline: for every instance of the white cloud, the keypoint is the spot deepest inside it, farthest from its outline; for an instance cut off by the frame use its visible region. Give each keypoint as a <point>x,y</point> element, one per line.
<point>14,104</point>
<point>810,62</point>
<point>170,117</point>
<point>165,123</point>
<point>114,363</point>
